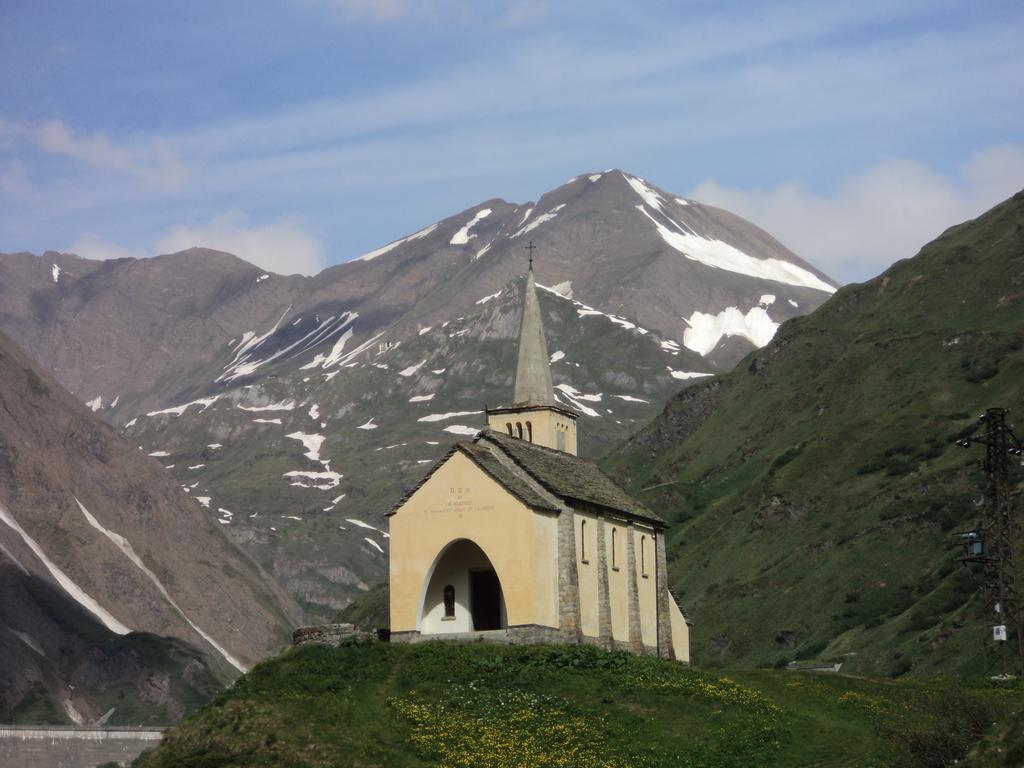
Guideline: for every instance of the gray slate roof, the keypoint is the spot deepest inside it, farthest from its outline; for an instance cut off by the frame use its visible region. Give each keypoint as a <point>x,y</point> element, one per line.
<point>568,477</point>
<point>561,476</point>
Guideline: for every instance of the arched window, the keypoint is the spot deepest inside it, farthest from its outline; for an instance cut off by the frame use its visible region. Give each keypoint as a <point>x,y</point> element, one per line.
<point>583,541</point>
<point>508,426</point>
<point>449,601</point>
<point>614,533</point>
<point>643,556</point>
<point>519,429</point>
<point>529,431</point>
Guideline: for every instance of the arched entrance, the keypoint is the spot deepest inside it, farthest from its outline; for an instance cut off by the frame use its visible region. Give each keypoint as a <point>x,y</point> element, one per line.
<point>462,593</point>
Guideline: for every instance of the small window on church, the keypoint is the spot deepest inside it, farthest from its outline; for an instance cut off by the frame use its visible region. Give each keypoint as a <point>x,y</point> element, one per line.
<point>583,541</point>
<point>529,431</point>
<point>508,426</point>
<point>519,430</point>
<point>615,564</point>
<point>560,440</point>
<point>643,556</point>
<point>449,602</point>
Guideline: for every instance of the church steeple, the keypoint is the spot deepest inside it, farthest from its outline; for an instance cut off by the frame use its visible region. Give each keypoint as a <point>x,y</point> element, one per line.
<point>533,370</point>
<point>534,415</point>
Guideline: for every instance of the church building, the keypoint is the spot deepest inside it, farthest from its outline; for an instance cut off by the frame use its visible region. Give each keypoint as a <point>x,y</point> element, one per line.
<point>511,536</point>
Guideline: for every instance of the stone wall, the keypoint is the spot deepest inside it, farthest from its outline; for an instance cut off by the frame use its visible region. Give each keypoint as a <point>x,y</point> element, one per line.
<point>68,747</point>
<point>329,634</point>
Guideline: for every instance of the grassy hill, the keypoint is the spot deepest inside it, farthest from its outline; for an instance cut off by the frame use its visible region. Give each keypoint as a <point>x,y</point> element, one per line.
<point>490,706</point>
<point>814,490</point>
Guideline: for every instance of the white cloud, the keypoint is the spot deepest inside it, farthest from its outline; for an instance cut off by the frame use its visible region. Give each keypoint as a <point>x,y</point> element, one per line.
<point>90,246</point>
<point>376,10</point>
<point>155,165</point>
<point>281,246</point>
<point>875,217</point>
<point>507,12</point>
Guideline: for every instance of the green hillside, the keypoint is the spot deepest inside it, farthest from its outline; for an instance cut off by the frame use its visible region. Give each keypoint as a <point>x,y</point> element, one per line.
<point>490,706</point>
<point>815,489</point>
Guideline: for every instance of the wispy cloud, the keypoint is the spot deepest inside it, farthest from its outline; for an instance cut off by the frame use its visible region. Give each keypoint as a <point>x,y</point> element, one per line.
<point>92,246</point>
<point>281,246</point>
<point>877,216</point>
<point>156,164</point>
<point>505,12</point>
<point>749,96</point>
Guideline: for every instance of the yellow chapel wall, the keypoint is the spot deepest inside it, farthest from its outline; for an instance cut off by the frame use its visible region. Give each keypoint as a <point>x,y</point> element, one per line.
<point>647,591</point>
<point>586,571</point>
<point>460,501</point>
<point>618,577</point>
<point>680,632</point>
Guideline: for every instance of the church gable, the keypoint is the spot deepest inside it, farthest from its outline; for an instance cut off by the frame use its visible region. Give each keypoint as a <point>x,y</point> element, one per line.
<point>461,502</point>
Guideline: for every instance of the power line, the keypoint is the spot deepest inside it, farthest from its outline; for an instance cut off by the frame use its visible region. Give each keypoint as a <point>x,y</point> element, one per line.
<point>993,547</point>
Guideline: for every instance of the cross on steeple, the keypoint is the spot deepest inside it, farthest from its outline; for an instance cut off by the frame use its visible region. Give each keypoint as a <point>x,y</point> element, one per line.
<point>531,248</point>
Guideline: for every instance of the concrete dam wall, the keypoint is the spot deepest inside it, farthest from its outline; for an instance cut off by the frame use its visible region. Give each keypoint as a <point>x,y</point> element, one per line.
<point>26,746</point>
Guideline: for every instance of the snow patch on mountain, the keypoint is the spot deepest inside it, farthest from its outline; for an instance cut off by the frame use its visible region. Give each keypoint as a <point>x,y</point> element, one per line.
<point>485,299</point>
<point>55,272</point>
<point>462,236</point>
<point>721,255</point>
<point>312,444</point>
<point>392,245</point>
<point>647,194</point>
<point>95,404</point>
<point>421,398</point>
<point>177,410</point>
<point>767,300</point>
<point>321,481</point>
<point>411,369</point>
<point>684,375</point>
<point>128,551</point>
<point>576,399</point>
<point>538,221</point>
<point>706,330</point>
<point>557,356</point>
<point>283,405</point>
<point>368,425</point>
<point>77,593</point>
<point>444,416</point>
<point>563,289</point>
<point>462,429</point>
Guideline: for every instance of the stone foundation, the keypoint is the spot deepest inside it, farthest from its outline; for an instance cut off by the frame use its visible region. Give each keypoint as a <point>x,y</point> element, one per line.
<point>521,634</point>
<point>329,634</point>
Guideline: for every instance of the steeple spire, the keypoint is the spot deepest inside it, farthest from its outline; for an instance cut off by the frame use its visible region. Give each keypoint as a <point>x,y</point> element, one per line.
<point>533,371</point>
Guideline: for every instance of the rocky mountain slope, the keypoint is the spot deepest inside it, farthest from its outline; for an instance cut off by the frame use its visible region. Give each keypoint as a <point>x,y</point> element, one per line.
<point>103,559</point>
<point>301,467</point>
<point>816,488</point>
<point>297,410</point>
<point>131,336</point>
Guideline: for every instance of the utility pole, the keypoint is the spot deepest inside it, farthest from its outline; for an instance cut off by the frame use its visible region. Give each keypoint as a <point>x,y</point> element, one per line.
<point>993,546</point>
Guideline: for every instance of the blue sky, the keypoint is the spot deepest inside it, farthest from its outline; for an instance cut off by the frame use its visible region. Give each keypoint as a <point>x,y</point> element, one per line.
<point>301,133</point>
